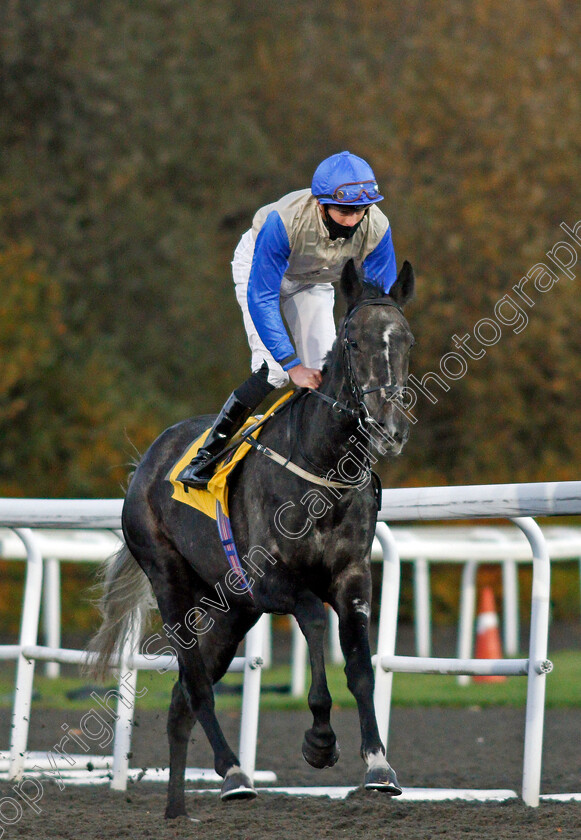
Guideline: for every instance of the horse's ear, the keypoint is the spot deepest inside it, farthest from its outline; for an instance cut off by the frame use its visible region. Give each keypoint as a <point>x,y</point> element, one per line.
<point>351,283</point>
<point>402,290</point>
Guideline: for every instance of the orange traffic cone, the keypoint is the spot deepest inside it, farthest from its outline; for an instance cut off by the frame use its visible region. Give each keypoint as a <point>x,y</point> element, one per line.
<point>488,644</point>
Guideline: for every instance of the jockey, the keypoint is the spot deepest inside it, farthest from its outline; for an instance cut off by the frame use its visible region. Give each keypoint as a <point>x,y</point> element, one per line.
<point>289,260</point>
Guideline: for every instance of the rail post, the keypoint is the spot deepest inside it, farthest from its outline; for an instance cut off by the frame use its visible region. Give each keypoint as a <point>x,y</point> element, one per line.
<point>25,667</point>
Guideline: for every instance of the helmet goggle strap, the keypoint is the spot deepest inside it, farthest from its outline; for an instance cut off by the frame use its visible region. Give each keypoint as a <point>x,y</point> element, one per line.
<point>351,193</point>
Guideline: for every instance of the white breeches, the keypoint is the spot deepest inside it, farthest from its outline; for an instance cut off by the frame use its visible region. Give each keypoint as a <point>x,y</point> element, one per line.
<point>307,310</point>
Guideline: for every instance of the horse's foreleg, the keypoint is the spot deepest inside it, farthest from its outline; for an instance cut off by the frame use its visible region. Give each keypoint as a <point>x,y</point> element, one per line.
<point>320,747</point>
<point>353,608</point>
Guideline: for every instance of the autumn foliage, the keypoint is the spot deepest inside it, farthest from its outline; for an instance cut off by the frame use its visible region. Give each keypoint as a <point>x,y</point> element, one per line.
<point>137,140</point>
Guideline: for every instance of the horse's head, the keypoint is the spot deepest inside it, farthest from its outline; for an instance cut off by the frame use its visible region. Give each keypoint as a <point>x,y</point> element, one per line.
<point>376,341</point>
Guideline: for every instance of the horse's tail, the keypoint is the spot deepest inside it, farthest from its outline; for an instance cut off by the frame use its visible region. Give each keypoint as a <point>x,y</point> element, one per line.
<point>125,604</point>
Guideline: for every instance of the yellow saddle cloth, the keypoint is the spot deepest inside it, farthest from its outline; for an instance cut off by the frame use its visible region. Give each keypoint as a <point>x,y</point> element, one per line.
<point>217,489</point>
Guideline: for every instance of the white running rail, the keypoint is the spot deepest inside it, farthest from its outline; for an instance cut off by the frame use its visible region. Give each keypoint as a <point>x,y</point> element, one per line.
<point>517,501</point>
<point>27,651</point>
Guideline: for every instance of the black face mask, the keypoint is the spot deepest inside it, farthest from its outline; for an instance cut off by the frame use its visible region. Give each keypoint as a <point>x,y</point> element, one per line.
<point>337,231</point>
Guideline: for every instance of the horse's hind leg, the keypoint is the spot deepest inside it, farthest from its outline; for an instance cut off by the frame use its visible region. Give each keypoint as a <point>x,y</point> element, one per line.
<point>180,722</point>
<point>218,649</point>
<point>320,748</point>
<point>178,594</point>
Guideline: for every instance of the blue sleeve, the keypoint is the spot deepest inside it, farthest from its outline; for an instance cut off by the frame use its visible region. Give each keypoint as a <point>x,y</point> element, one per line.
<point>380,266</point>
<point>270,261</point>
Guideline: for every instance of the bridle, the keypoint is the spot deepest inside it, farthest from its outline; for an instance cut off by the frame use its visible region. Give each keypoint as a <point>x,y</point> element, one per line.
<point>356,391</point>
<point>357,394</point>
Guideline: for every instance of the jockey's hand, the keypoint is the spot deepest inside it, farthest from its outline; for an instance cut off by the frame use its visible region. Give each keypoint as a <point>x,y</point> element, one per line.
<point>304,377</point>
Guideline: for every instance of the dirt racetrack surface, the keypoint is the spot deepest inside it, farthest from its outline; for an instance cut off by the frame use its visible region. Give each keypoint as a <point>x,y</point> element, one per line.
<point>436,748</point>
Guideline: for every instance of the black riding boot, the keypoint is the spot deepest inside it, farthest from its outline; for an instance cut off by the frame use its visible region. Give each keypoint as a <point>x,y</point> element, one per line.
<point>231,418</point>
<point>237,408</point>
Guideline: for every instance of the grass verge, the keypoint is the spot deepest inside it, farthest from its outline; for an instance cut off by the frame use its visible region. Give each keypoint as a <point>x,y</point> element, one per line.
<point>72,692</point>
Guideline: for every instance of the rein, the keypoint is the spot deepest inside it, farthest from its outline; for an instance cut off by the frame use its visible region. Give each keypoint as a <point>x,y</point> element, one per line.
<point>361,412</point>
<point>242,437</point>
<point>246,437</point>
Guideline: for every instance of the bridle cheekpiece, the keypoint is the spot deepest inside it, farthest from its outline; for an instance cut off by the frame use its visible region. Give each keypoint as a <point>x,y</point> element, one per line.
<point>356,391</point>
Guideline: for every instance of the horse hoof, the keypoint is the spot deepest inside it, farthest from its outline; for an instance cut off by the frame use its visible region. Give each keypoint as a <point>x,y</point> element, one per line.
<point>173,812</point>
<point>237,785</point>
<point>320,757</point>
<point>382,779</point>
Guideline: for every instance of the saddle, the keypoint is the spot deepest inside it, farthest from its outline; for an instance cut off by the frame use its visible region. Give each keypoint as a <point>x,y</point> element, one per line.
<point>217,489</point>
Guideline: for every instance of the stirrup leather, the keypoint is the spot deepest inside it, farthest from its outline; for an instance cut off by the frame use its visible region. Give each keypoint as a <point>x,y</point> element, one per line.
<point>232,416</point>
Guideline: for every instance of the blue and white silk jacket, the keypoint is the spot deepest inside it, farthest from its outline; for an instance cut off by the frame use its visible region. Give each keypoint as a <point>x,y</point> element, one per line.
<point>292,246</point>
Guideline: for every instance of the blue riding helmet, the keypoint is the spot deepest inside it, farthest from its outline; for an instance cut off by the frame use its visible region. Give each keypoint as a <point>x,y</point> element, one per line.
<point>345,179</point>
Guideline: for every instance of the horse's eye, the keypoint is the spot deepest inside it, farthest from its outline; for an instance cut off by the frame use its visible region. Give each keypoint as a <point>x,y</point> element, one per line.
<point>354,345</point>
